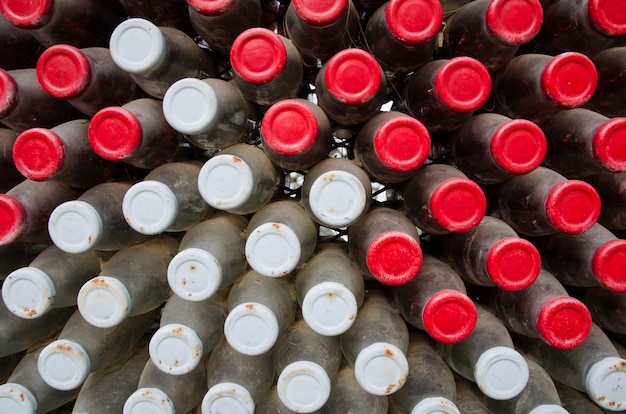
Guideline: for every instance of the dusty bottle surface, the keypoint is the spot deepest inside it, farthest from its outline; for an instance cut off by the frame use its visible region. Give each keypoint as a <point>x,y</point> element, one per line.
<point>608,98</point>
<point>348,397</point>
<point>608,184</point>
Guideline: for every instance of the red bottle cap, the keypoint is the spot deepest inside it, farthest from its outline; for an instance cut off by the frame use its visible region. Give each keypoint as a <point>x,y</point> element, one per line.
<point>518,146</point>
<point>402,143</point>
<point>414,21</point>
<point>564,322</point>
<point>573,206</point>
<point>63,71</point>
<point>609,144</point>
<point>12,219</point>
<point>320,12</point>
<point>463,84</point>
<point>449,316</point>
<point>26,14</point>
<point>38,153</point>
<point>289,127</point>
<point>458,204</point>
<point>569,79</point>
<point>8,93</point>
<point>609,265</point>
<point>513,263</point>
<point>258,55</point>
<point>609,16</point>
<point>114,133</point>
<point>353,76</point>
<point>514,21</point>
<point>210,7</point>
<point>394,258</point>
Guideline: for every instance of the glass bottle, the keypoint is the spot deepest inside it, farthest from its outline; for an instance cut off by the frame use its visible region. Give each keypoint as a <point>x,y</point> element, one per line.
<point>19,48</point>
<point>608,186</point>
<point>605,306</point>
<point>11,176</point>
<point>469,398</point>
<point>272,404</point>
<point>608,98</point>
<point>576,402</point>
<point>172,14</point>
<point>348,397</point>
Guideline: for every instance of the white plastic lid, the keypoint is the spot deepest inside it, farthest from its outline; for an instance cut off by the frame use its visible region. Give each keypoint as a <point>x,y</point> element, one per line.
<point>225,182</point>
<point>337,198</point>
<point>175,349</point>
<point>28,292</point>
<point>329,308</point>
<point>16,399</point>
<point>150,207</point>
<point>251,328</point>
<point>137,45</point>
<point>75,226</point>
<point>64,364</point>
<point>273,249</point>
<point>149,400</point>
<point>303,386</point>
<point>501,373</point>
<point>381,368</point>
<point>190,106</point>
<point>435,405</point>
<point>227,398</point>
<point>605,382</point>
<point>104,301</point>
<point>194,274</point>
<point>548,409</point>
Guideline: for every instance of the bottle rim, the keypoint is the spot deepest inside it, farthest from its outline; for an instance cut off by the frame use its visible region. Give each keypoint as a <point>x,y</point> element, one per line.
<point>321,12</point>
<point>226,182</point>
<point>13,219</point>
<point>573,206</point>
<point>150,207</point>
<point>190,105</point>
<point>497,364</point>
<point>289,127</point>
<point>104,301</point>
<point>194,274</point>
<point>463,84</point>
<point>17,399</point>
<point>439,405</point>
<point>608,16</point>
<point>381,368</point>
<point>64,71</point>
<point>64,364</point>
<point>414,21</point>
<point>452,193</point>
<point>228,397</point>
<point>273,249</point>
<point>211,7</point>
<point>329,308</point>
<point>39,153</point>
<point>251,328</point>
<point>9,93</point>
<point>603,382</point>
<point>303,386</point>
<point>137,45</point>
<point>151,400</point>
<point>607,265</point>
<point>449,316</point>
<point>175,349</point>
<point>27,15</point>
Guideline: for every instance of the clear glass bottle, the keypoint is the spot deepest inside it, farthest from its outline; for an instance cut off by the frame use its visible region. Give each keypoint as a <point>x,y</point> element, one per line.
<point>469,398</point>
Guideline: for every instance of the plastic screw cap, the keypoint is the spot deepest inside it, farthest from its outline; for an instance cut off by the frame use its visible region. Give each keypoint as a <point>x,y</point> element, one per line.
<point>175,349</point>
<point>150,207</point>
<point>402,143</point>
<point>353,76</point>
<point>414,21</point>
<point>64,364</point>
<point>149,400</point>
<point>13,220</point>
<point>303,386</point>
<point>458,204</point>
<point>513,263</point>
<point>210,7</point>
<point>548,409</point>
<point>573,206</point>
<point>273,249</point>
<point>115,133</point>
<point>289,127</point>
<point>449,316</point>
<point>518,146</point>
<point>435,405</point>
<point>394,258</point>
<point>38,153</point>
<point>258,55</point>
<point>190,106</point>
<point>104,301</point>
<point>63,71</point>
<point>501,373</point>
<point>608,16</point>
<point>194,274</point>
<point>251,328</point>
<point>609,265</point>
<point>28,15</point>
<point>8,93</point>
<point>329,308</point>
<point>564,322</point>
<point>320,12</point>
<point>609,144</point>
<point>28,292</point>
<point>514,22</point>
<point>226,182</point>
<point>75,226</point>
<point>137,45</point>
<point>463,84</point>
<point>17,399</point>
<point>228,397</point>
<point>381,368</point>
<point>569,79</point>
<point>605,383</point>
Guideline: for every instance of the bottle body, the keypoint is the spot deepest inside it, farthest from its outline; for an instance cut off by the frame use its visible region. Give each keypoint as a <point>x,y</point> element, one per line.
<point>11,176</point>
<point>607,184</point>
<point>609,96</point>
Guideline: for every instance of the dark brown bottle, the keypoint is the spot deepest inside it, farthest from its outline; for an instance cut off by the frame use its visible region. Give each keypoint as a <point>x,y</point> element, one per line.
<point>606,307</point>
<point>610,96</point>
<point>11,176</point>
<point>609,186</point>
<point>171,13</point>
<point>19,48</point>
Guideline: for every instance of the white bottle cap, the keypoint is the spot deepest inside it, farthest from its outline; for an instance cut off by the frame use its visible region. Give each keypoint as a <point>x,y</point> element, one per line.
<point>337,199</point>
<point>225,182</point>
<point>501,373</point>
<point>194,274</point>
<point>75,226</point>
<point>64,364</point>
<point>16,399</point>
<point>149,400</point>
<point>137,45</point>
<point>435,405</point>
<point>150,207</point>
<point>381,368</point>
<point>251,328</point>
<point>28,292</point>
<point>190,106</point>
<point>548,409</point>
<point>329,308</point>
<point>273,249</point>
<point>605,383</point>
<point>303,386</point>
<point>175,349</point>
<point>104,301</point>
<point>227,398</point>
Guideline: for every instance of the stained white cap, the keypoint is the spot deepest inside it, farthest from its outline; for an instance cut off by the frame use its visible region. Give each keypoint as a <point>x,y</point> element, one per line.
<point>251,328</point>
<point>16,399</point>
<point>104,301</point>
<point>64,364</point>
<point>548,409</point>
<point>329,308</point>
<point>501,373</point>
<point>149,400</point>
<point>137,45</point>
<point>605,382</point>
<point>273,249</point>
<point>75,226</point>
<point>226,182</point>
<point>435,405</point>
<point>194,274</point>
<point>303,386</point>
<point>28,292</point>
<point>190,106</point>
<point>175,349</point>
<point>381,368</point>
<point>150,207</point>
<point>227,398</point>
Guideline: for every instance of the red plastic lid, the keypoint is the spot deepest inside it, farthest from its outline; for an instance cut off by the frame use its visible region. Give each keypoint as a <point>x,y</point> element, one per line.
<point>458,204</point>
<point>414,21</point>
<point>449,316</point>
<point>564,322</point>
<point>210,7</point>
<point>63,71</point>
<point>289,127</point>
<point>609,16</point>
<point>609,265</point>
<point>609,144</point>
<point>8,93</point>
<point>353,76</point>
<point>394,258</point>
<point>573,206</point>
<point>402,143</point>
<point>12,219</point>
<point>569,79</point>
<point>27,14</point>
<point>114,133</point>
<point>463,84</point>
<point>258,55</point>
<point>38,153</point>
<point>515,21</point>
<point>513,263</point>
<point>518,146</point>
<point>320,12</point>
